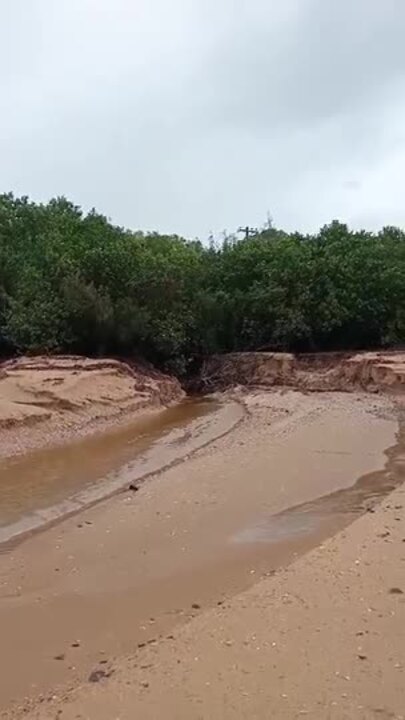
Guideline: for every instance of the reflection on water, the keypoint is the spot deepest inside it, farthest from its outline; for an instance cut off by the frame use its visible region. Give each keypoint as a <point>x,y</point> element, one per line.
<point>45,478</point>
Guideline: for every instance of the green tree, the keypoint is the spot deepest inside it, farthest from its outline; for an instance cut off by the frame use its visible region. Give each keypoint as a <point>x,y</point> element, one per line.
<point>74,282</point>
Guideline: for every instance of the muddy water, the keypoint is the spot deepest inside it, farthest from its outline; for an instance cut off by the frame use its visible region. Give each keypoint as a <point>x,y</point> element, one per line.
<point>310,521</point>
<point>42,486</point>
<point>126,572</point>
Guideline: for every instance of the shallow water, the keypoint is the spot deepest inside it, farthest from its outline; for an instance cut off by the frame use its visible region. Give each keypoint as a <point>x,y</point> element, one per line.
<point>334,509</point>
<point>129,571</point>
<point>328,512</point>
<point>42,485</point>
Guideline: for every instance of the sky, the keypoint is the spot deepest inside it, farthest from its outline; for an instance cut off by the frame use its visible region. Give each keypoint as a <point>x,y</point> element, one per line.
<point>198,116</point>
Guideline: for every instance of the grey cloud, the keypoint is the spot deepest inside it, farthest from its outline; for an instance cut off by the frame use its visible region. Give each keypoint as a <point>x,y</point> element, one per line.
<point>191,116</point>
<point>325,59</point>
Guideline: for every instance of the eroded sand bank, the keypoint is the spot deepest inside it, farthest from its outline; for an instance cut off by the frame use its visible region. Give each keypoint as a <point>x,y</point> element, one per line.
<point>86,598</point>
<point>51,400</point>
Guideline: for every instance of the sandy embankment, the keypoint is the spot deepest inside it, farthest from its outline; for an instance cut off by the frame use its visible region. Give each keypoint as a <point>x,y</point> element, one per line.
<point>347,372</point>
<point>49,400</point>
<point>114,613</point>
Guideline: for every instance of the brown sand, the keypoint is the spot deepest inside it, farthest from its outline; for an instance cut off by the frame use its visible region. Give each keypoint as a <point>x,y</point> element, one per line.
<point>324,638</point>
<point>78,598</point>
<point>52,400</point>
<point>371,371</point>
<point>48,400</point>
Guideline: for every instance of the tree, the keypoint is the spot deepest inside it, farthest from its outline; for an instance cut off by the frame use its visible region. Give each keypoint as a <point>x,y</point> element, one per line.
<point>74,282</point>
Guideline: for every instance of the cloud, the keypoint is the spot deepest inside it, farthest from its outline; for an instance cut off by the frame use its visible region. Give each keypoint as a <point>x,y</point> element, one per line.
<point>316,61</point>
<point>196,115</point>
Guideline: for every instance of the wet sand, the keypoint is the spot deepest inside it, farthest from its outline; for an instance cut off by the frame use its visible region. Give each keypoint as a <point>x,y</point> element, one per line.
<point>78,597</point>
<point>324,638</point>
<point>44,485</point>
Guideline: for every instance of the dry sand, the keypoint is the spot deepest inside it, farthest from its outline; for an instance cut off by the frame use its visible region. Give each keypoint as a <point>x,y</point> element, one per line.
<point>48,400</point>
<point>114,613</point>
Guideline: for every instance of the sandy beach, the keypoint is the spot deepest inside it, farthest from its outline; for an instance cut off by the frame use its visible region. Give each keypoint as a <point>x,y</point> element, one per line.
<point>203,594</point>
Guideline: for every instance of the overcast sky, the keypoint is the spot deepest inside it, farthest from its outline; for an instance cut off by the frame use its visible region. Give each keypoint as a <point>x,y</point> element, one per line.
<point>194,116</point>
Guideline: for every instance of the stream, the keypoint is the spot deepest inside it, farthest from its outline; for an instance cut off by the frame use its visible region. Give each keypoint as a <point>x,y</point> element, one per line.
<point>122,574</point>
<point>43,485</point>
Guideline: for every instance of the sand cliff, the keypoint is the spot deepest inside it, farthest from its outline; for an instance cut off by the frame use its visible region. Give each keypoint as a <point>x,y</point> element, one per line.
<point>371,371</point>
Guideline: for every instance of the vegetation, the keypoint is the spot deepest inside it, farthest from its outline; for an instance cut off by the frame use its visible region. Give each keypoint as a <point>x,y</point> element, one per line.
<point>71,282</point>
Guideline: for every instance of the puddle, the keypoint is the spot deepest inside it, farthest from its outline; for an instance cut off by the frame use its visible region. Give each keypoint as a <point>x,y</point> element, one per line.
<point>278,528</point>
<point>329,512</point>
<point>43,485</point>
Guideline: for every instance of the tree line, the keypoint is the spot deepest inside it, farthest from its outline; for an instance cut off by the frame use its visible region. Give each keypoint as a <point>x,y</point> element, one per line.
<point>73,282</point>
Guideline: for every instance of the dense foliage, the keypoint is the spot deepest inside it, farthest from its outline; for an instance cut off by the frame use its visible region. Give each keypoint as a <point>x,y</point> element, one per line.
<point>73,282</point>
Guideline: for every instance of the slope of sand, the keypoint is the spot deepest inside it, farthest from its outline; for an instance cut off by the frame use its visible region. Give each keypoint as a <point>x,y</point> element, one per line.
<point>371,371</point>
<point>45,400</point>
<point>114,613</point>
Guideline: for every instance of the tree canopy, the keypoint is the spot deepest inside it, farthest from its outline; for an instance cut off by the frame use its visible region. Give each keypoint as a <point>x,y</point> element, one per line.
<point>73,282</point>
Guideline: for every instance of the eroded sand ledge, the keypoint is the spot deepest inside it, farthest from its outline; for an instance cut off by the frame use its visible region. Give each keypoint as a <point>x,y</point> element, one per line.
<point>49,400</point>
<point>89,595</point>
<point>347,372</point>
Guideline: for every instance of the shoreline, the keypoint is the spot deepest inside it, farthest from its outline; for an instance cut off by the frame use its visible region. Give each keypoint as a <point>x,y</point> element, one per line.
<point>48,401</point>
<point>51,401</point>
<point>23,439</point>
<point>198,534</point>
<point>153,461</point>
